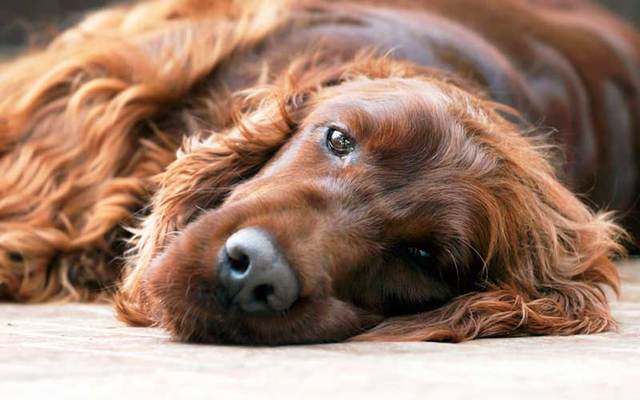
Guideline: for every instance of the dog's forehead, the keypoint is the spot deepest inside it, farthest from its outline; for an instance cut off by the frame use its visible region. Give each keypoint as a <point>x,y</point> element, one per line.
<point>390,111</point>
<point>386,93</point>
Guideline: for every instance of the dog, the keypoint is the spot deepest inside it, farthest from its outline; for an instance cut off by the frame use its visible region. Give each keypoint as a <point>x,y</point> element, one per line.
<point>289,172</point>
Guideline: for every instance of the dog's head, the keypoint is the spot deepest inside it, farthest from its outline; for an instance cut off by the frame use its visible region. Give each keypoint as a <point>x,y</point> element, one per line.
<point>382,201</point>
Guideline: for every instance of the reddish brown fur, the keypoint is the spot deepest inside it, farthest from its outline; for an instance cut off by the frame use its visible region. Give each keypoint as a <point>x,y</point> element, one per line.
<point>191,119</point>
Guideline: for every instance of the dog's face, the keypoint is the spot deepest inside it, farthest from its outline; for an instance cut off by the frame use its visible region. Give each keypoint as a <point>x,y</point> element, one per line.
<point>395,207</point>
<point>373,208</point>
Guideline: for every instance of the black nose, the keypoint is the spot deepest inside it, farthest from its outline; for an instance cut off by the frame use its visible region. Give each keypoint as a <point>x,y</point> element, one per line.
<point>255,274</point>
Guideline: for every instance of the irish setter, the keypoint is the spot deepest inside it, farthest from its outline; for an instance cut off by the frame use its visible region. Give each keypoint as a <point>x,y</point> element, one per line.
<point>275,172</point>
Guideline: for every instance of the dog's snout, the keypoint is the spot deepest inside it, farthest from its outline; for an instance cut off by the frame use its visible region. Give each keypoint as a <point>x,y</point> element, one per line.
<point>255,274</point>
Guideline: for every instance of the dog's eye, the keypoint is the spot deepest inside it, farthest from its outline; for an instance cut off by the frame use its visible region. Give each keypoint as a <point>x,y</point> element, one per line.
<point>339,142</point>
<point>418,254</point>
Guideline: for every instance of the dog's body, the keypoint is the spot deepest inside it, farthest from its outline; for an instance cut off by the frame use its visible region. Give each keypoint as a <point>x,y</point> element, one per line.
<point>91,126</point>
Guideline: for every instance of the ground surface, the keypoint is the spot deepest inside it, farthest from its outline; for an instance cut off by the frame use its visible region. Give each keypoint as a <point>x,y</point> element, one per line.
<point>81,351</point>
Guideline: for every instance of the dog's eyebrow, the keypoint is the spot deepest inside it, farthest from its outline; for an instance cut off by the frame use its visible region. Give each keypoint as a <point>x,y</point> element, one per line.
<point>377,104</point>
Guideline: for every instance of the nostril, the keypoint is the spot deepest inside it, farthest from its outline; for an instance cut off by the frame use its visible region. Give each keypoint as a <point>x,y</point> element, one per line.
<point>239,263</point>
<point>262,292</point>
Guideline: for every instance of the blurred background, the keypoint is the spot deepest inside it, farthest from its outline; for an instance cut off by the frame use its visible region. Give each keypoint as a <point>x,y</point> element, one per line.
<point>20,18</point>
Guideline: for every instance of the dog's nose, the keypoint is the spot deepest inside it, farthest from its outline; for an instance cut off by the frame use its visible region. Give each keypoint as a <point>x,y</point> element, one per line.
<point>255,274</point>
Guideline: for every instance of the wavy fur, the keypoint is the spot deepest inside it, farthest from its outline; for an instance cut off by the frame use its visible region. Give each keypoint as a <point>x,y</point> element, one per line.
<point>127,120</point>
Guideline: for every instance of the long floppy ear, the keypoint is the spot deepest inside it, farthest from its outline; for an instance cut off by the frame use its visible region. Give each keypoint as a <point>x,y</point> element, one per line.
<point>547,257</point>
<point>77,149</point>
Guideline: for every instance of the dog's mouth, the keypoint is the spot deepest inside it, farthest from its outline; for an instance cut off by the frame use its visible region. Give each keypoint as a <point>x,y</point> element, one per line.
<point>217,284</point>
<point>207,315</point>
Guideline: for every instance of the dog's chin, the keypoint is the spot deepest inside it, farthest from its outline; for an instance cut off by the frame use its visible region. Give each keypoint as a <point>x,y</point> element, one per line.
<point>184,298</point>
<point>308,321</point>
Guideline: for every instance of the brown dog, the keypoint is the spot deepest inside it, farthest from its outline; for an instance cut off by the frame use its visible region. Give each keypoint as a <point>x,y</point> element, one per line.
<point>312,171</point>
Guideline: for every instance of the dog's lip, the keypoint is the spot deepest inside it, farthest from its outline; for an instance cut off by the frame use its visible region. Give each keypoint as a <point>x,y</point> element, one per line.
<point>226,309</point>
<point>237,312</point>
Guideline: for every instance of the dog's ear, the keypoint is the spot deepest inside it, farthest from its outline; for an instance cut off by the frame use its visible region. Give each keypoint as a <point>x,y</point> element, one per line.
<point>546,258</point>
<point>561,309</point>
<point>549,287</point>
